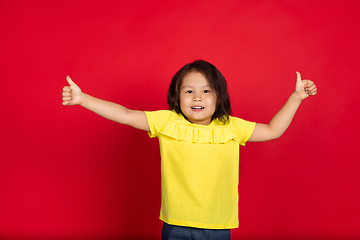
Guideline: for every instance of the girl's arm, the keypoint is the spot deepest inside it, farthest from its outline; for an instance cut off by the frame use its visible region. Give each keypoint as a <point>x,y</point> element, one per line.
<point>72,95</point>
<point>282,119</point>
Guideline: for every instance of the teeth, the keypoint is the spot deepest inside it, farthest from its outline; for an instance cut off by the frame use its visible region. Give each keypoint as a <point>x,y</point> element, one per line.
<point>197,107</point>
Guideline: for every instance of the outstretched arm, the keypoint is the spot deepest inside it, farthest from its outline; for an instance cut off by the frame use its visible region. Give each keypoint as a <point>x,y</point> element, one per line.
<point>72,95</point>
<point>282,119</point>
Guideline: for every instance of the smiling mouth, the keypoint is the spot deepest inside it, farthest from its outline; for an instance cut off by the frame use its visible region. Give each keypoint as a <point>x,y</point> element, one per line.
<point>197,108</point>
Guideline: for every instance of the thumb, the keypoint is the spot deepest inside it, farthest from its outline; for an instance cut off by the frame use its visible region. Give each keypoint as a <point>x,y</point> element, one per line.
<point>298,77</point>
<point>71,82</point>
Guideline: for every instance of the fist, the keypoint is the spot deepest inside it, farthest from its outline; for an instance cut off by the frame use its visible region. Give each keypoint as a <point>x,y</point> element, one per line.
<point>304,88</point>
<point>71,94</point>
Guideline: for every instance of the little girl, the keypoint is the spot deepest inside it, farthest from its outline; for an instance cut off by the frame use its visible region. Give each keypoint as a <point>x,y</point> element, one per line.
<point>199,146</point>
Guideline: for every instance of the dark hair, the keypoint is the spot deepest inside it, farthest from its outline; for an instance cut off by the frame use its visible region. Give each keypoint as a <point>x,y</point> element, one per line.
<point>216,80</point>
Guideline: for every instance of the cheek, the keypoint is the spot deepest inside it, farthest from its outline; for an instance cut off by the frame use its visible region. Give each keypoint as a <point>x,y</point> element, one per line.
<point>211,102</point>
<point>183,102</point>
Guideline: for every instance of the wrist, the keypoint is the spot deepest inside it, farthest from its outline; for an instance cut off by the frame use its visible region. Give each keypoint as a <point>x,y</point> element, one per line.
<point>297,96</point>
<point>83,97</point>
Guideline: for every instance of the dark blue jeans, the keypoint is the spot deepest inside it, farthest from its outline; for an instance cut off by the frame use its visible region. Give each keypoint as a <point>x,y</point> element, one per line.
<point>173,232</point>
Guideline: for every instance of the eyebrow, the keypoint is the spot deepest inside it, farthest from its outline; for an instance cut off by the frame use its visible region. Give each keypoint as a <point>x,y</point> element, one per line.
<point>206,86</point>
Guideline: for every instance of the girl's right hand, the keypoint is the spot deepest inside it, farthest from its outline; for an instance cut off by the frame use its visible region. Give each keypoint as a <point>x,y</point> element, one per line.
<point>72,94</point>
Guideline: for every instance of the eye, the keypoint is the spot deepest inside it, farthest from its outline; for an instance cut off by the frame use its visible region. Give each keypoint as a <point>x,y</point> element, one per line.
<point>189,91</point>
<point>206,91</point>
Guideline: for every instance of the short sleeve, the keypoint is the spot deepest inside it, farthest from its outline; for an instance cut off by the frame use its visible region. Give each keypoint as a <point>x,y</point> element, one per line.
<point>244,129</point>
<point>157,121</point>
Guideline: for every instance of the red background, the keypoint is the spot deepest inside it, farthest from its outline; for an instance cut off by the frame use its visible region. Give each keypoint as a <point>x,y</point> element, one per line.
<point>66,173</point>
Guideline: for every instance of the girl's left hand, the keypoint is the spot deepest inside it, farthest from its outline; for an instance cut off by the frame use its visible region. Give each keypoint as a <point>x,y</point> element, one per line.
<point>304,88</point>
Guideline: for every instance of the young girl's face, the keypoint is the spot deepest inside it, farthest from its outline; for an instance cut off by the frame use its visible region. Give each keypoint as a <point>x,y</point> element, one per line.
<point>197,98</point>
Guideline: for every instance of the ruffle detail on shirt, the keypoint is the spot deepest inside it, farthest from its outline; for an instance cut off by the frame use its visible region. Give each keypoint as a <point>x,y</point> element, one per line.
<point>197,134</point>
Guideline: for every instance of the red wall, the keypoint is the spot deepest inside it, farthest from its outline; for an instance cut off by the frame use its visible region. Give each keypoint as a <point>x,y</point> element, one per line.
<point>68,173</point>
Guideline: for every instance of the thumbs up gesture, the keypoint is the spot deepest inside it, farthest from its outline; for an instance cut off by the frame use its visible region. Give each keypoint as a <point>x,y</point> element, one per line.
<point>71,94</point>
<point>304,88</point>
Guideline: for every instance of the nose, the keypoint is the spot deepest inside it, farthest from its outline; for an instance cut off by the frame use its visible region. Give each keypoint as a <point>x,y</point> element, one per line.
<point>197,98</point>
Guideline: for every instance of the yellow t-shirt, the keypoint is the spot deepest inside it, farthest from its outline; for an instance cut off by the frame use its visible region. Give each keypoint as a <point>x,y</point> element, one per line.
<point>199,169</point>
